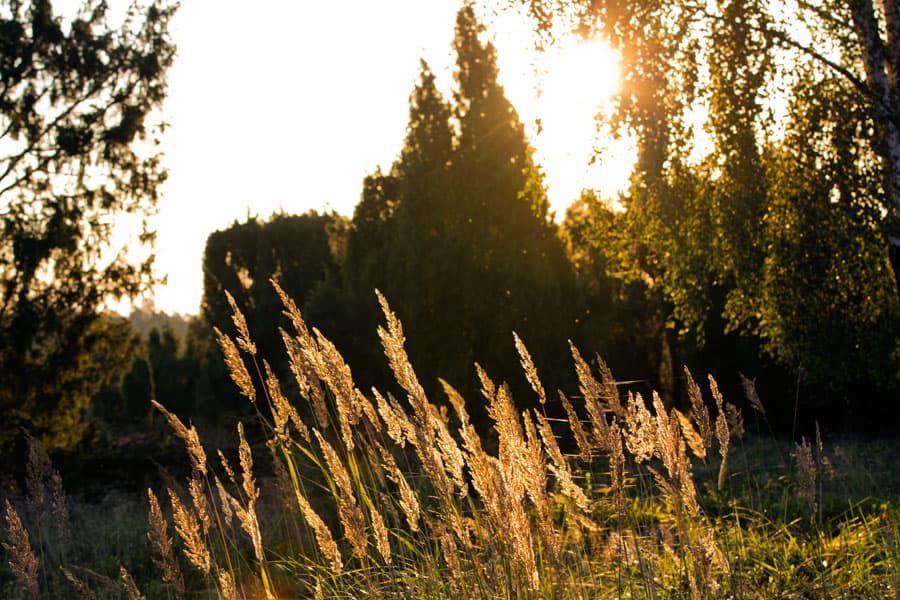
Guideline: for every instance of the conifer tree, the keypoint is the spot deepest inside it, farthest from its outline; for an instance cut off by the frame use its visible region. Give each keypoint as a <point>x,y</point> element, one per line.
<point>76,98</point>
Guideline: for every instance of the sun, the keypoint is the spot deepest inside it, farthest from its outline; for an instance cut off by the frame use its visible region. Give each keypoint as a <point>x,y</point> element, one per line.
<point>559,92</point>
<point>580,78</point>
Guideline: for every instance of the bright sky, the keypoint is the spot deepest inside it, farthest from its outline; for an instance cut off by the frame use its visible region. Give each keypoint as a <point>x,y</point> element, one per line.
<point>289,105</point>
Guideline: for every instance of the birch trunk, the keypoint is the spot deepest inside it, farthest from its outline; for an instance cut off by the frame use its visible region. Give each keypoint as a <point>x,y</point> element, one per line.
<point>882,67</point>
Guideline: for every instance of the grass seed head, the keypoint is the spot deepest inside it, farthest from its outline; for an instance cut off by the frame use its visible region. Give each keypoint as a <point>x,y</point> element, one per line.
<point>240,323</point>
<point>749,387</point>
<point>324,539</point>
<point>282,410</point>
<point>236,367</point>
<point>578,432</point>
<point>227,588</point>
<point>130,587</point>
<point>81,587</point>
<point>22,561</point>
<point>188,529</point>
<point>162,545</point>
<point>46,496</point>
<point>640,429</point>
<point>190,437</point>
<point>530,370</point>
<point>699,412</point>
<point>806,473</point>
<point>349,512</point>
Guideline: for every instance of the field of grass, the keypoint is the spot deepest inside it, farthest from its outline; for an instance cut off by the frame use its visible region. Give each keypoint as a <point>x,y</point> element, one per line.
<point>346,494</point>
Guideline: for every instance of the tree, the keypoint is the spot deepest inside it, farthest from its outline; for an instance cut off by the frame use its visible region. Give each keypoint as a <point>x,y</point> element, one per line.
<point>76,101</point>
<point>516,275</point>
<point>296,250</point>
<point>458,235</point>
<point>827,296</point>
<point>718,236</point>
<point>661,43</point>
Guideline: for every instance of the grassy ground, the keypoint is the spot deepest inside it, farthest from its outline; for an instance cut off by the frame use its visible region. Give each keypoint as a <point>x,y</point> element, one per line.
<point>371,495</point>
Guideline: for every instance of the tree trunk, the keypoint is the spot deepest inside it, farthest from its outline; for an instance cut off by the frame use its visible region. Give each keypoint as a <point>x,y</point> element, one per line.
<point>882,67</point>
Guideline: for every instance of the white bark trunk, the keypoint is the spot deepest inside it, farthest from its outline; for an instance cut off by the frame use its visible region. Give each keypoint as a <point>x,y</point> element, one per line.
<point>882,68</point>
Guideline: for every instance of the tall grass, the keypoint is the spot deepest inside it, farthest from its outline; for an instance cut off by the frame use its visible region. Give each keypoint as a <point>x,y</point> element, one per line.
<point>376,495</point>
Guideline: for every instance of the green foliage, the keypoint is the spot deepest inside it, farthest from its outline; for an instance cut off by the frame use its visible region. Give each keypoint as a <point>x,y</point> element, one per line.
<point>73,106</point>
<point>827,298</point>
<point>775,243</point>
<point>624,318</point>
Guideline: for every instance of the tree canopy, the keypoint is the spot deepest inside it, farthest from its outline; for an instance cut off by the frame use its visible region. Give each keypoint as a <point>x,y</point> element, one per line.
<point>76,111</point>
<point>770,219</point>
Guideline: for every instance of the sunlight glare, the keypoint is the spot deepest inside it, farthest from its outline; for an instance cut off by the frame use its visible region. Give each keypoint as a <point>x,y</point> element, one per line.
<point>578,82</point>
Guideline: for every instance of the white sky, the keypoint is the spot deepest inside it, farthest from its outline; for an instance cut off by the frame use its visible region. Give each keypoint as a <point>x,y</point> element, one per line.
<point>289,105</point>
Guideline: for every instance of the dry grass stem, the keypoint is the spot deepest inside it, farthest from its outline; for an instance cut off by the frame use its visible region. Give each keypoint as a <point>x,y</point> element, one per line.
<point>323,536</point>
<point>130,587</point>
<point>227,467</point>
<point>162,545</point>
<point>692,437</point>
<point>610,387</point>
<point>530,370</point>
<point>578,432</point>
<point>640,432</point>
<point>81,588</point>
<point>189,436</point>
<point>198,498</point>
<point>236,367</point>
<point>451,555</point>
<point>399,427</point>
<point>451,457</point>
<point>806,473</point>
<point>188,529</point>
<point>671,449</point>
<point>425,425</point>
<point>246,459</point>
<point>749,387</point>
<point>392,340</point>
<point>227,588</point>
<point>225,500</point>
<point>593,393</point>
<point>559,465</point>
<point>290,310</point>
<point>699,413</point>
<point>282,477</point>
<point>409,502</point>
<point>616,462</point>
<point>381,535</point>
<point>350,514</point>
<point>282,410</point>
<point>46,496</point>
<point>723,431</point>
<point>247,517</point>
<point>305,375</point>
<point>240,323</point>
<point>336,375</point>
<point>22,561</point>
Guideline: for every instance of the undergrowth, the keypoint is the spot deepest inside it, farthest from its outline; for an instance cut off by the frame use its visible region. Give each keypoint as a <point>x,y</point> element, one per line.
<point>382,496</point>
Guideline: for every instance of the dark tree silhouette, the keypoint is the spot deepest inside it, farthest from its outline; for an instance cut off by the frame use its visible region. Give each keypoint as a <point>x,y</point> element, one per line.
<point>74,100</point>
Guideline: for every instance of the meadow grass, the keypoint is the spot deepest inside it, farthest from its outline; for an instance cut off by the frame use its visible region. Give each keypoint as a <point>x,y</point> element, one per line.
<point>371,494</point>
